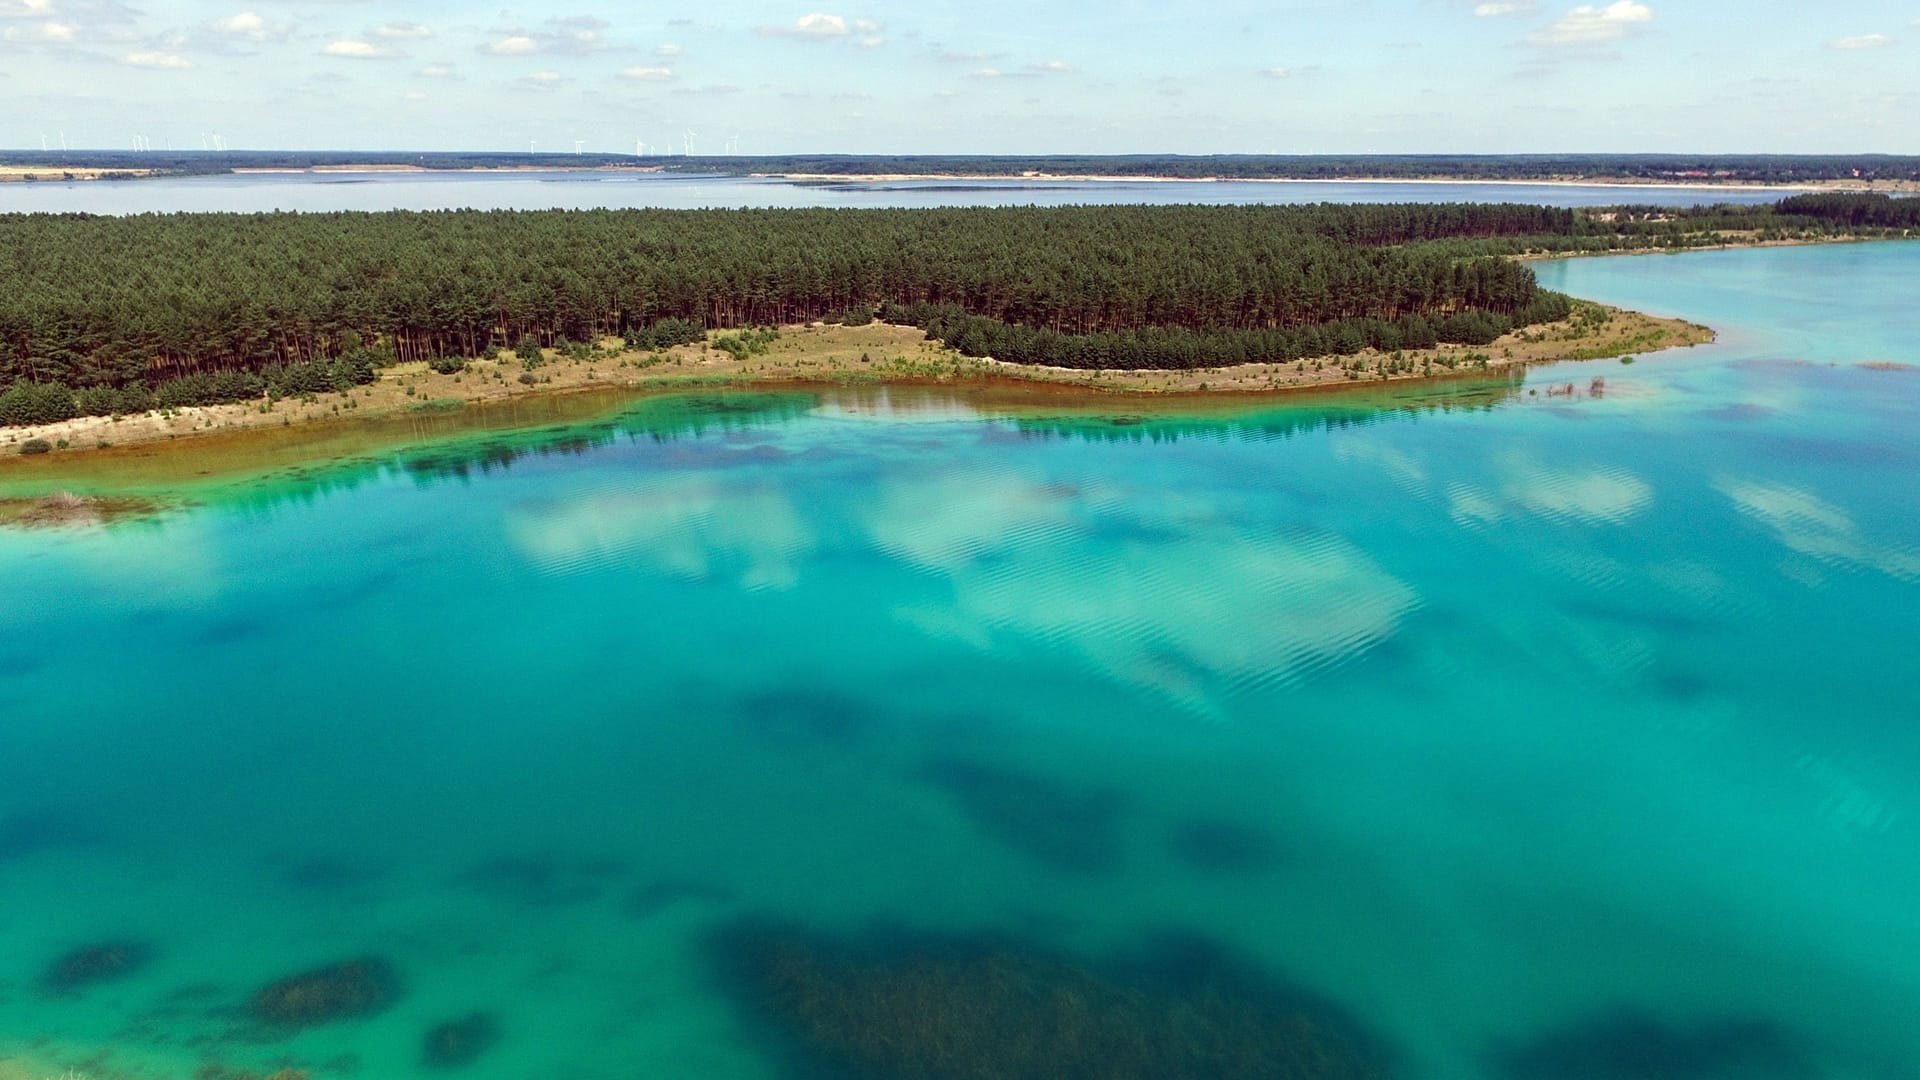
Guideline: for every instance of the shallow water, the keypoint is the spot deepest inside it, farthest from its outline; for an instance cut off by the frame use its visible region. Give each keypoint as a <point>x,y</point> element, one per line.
<point>1537,734</point>
<point>257,192</point>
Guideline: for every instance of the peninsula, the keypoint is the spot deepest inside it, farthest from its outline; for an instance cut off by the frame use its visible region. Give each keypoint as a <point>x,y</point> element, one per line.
<point>129,330</point>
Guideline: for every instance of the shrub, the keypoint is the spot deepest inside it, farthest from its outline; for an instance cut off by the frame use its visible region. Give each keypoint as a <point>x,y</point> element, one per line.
<point>448,365</point>
<point>27,403</point>
<point>528,350</point>
<point>36,446</point>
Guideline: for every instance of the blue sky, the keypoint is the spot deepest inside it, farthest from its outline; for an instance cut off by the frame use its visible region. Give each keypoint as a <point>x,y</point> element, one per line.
<point>994,76</point>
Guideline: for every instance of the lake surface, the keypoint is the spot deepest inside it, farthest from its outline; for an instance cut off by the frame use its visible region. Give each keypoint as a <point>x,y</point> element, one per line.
<point>1561,727</point>
<point>257,192</point>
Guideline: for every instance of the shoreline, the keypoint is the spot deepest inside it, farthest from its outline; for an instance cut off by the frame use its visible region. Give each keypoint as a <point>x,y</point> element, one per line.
<point>410,398</point>
<point>1883,186</point>
<point>1736,245</point>
<point>17,174</point>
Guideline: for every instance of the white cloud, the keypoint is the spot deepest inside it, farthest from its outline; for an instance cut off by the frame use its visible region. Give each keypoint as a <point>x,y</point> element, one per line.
<point>250,26</point>
<point>1494,9</point>
<point>647,74</point>
<point>353,50</point>
<point>1052,67</point>
<point>414,95</point>
<point>25,9</point>
<point>158,61</point>
<point>574,35</point>
<point>987,73</point>
<point>48,32</point>
<point>436,71</point>
<point>1591,24</point>
<point>1277,73</point>
<point>816,26</point>
<point>544,79</point>
<point>1861,41</point>
<point>403,31</point>
<point>666,51</point>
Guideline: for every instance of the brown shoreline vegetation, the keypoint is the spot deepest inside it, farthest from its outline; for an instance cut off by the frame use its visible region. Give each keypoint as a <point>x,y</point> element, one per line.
<point>824,354</point>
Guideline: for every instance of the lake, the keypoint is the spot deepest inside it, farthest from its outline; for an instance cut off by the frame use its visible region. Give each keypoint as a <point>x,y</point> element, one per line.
<point>542,190</point>
<point>1559,726</point>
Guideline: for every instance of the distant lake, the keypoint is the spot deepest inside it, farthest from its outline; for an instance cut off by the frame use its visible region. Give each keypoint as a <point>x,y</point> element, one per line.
<point>255,192</point>
<point>1560,726</point>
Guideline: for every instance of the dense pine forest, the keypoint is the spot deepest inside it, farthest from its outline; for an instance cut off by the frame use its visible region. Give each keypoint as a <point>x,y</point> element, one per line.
<point>109,314</point>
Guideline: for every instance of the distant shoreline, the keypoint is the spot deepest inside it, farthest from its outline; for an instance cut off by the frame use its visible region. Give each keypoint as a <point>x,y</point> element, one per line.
<point>1093,178</point>
<point>663,167</point>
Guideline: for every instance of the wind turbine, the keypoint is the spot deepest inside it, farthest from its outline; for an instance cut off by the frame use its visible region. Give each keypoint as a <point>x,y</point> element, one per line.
<point>531,143</point>
<point>686,143</point>
<point>577,144</point>
<point>43,142</point>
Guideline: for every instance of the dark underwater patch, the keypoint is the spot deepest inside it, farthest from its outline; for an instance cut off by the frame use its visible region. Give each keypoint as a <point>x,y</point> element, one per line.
<point>1219,846</point>
<point>652,899</point>
<point>455,1044</point>
<point>88,966</point>
<point>541,880</point>
<point>34,831</point>
<point>1635,1046</point>
<point>231,631</point>
<point>808,717</point>
<point>1071,829</point>
<point>13,665</point>
<point>332,874</point>
<point>894,1006</point>
<point>349,990</point>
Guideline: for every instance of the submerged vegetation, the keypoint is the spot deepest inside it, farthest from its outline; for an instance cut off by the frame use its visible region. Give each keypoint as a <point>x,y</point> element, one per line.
<point>350,990</point>
<point>895,1006</point>
<point>86,967</point>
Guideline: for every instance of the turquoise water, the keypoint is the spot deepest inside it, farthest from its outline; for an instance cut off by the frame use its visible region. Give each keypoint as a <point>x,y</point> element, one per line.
<point>1539,733</point>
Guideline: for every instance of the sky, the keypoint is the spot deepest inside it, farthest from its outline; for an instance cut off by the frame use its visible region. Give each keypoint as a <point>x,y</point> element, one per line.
<point>984,77</point>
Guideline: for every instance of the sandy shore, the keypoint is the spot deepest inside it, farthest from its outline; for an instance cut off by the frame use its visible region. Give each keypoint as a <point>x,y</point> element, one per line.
<point>24,173</point>
<point>1735,245</point>
<point>332,169</point>
<point>840,355</point>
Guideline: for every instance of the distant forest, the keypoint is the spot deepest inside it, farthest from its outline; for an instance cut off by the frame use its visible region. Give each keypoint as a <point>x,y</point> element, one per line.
<point>117,314</point>
<point>1744,168</point>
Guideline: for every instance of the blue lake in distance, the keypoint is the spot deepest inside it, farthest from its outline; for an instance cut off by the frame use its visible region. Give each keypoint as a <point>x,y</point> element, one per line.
<point>1560,728</point>
<point>537,190</point>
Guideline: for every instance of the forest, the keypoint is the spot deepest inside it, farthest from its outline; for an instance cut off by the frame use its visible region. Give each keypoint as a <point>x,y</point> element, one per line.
<point>120,314</point>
